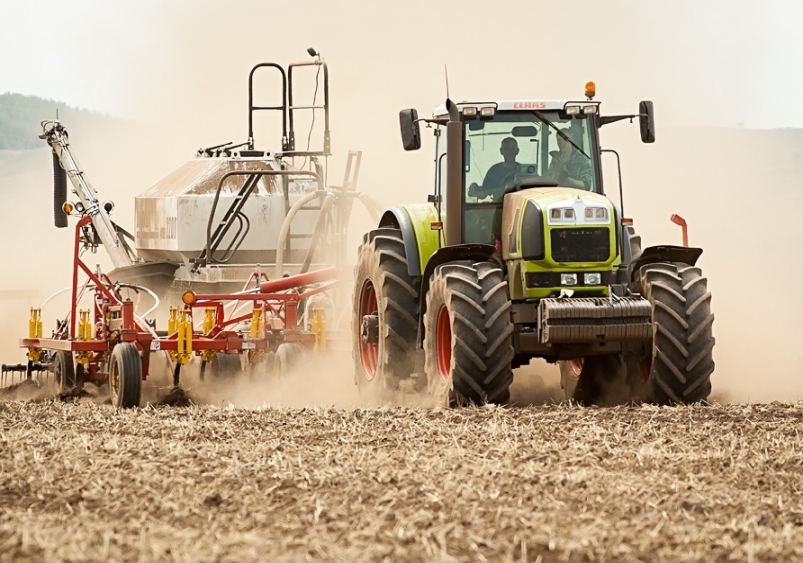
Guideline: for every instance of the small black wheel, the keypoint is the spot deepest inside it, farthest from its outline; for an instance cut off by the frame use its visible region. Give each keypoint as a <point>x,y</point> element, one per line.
<point>80,376</point>
<point>287,356</point>
<point>125,376</point>
<point>225,366</point>
<point>63,372</point>
<point>261,367</point>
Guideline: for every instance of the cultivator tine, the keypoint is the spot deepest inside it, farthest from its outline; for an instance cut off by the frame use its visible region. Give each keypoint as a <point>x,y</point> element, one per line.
<point>8,372</point>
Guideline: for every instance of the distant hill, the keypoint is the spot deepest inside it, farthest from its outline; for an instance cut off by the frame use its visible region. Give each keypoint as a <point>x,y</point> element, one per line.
<point>20,118</point>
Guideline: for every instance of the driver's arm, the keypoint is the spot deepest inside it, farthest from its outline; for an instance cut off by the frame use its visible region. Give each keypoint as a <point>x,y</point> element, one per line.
<point>489,183</point>
<point>581,175</point>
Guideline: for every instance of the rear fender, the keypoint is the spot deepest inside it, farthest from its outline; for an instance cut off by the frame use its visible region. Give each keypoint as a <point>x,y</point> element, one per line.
<point>475,252</point>
<point>666,253</point>
<point>420,240</point>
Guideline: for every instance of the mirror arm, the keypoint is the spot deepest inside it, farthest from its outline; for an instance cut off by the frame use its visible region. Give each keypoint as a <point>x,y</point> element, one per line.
<point>605,119</point>
<point>432,120</point>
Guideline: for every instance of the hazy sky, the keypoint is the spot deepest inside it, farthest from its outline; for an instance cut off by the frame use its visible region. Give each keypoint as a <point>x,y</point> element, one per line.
<point>725,62</point>
<point>179,70</point>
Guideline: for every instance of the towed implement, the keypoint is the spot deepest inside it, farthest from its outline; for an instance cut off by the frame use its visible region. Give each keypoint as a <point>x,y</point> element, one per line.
<point>519,254</point>
<point>237,256</point>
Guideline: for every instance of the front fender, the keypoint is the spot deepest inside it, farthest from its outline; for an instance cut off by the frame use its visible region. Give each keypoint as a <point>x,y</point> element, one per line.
<point>666,253</point>
<point>420,240</point>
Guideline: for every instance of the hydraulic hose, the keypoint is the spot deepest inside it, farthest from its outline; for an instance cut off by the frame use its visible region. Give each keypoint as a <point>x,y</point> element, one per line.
<point>59,193</point>
<point>285,230</point>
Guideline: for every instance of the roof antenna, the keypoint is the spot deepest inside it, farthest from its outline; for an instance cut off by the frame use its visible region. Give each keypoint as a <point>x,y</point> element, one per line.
<point>446,72</point>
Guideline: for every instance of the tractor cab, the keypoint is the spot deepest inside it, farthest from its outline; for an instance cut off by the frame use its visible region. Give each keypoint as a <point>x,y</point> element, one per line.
<point>509,144</point>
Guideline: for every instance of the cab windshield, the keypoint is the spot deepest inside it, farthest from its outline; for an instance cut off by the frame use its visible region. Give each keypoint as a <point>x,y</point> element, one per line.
<point>500,153</point>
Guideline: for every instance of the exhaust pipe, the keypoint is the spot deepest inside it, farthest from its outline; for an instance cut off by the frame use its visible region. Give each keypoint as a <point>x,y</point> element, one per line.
<point>59,193</point>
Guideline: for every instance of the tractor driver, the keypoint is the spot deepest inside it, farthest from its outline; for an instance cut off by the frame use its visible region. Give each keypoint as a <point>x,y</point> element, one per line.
<point>569,166</point>
<point>501,175</point>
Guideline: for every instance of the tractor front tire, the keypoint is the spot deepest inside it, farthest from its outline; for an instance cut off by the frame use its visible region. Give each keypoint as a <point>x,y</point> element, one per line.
<point>468,335</point>
<point>385,319</point>
<point>125,376</point>
<point>680,361</point>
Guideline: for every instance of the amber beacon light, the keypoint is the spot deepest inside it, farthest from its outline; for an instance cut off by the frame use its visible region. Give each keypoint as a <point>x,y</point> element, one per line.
<point>591,89</point>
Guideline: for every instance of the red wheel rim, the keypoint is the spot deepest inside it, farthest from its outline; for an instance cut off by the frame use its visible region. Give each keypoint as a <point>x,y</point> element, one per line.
<point>369,352</point>
<point>443,343</point>
<point>645,368</point>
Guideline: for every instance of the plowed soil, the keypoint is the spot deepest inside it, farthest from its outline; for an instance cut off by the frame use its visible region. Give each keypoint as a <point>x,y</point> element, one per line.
<point>83,481</point>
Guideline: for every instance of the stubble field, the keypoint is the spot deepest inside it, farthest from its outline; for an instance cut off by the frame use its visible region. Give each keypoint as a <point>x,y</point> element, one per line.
<point>83,481</point>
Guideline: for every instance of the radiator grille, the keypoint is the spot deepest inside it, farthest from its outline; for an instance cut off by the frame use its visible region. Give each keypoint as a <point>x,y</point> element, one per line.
<point>581,245</point>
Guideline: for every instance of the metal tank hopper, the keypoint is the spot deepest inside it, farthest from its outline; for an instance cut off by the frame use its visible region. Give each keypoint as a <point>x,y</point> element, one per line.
<point>233,210</point>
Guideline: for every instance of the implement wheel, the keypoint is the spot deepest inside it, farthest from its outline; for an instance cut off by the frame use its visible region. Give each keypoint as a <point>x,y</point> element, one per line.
<point>385,319</point>
<point>225,366</point>
<point>468,342</point>
<point>63,372</point>
<point>125,376</point>
<point>678,363</point>
<point>287,356</point>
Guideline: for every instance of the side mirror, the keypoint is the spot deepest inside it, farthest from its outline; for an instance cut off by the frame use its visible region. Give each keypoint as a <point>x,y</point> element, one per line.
<point>647,122</point>
<point>410,131</point>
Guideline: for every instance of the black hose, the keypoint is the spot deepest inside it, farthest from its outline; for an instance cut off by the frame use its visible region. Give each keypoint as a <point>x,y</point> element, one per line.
<point>59,193</point>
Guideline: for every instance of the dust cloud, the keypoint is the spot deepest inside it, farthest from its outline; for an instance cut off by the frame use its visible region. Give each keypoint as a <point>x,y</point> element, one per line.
<point>180,90</point>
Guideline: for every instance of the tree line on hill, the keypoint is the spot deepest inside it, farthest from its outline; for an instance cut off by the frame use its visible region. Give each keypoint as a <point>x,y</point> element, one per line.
<point>20,118</point>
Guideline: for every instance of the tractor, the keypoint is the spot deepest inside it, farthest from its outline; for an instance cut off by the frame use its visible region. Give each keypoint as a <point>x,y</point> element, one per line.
<point>519,254</point>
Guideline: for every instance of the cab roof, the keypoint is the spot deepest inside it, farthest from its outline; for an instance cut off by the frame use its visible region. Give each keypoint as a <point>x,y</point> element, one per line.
<point>509,105</point>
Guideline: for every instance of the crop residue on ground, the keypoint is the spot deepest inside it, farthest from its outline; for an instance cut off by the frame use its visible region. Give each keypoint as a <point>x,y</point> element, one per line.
<point>553,483</point>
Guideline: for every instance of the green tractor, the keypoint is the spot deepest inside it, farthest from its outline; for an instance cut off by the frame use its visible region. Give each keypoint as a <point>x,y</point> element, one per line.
<point>518,254</point>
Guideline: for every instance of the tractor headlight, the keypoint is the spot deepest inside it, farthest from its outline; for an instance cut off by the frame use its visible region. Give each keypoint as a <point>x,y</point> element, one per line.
<point>568,213</point>
<point>568,279</point>
<point>592,279</point>
<point>595,214</point>
<point>487,112</point>
<point>470,111</point>
<point>555,214</point>
<point>573,110</point>
<point>590,110</point>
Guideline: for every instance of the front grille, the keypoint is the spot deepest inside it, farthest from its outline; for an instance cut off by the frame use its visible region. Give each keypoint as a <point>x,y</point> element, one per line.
<point>581,245</point>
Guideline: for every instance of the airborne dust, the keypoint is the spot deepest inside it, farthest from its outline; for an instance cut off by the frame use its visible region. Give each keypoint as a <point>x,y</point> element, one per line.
<point>735,185</point>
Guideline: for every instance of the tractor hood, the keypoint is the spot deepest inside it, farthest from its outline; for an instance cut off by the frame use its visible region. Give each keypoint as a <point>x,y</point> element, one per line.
<point>557,228</point>
<point>556,203</point>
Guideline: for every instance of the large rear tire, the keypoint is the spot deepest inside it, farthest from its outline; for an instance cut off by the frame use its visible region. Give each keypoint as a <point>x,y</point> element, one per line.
<point>125,376</point>
<point>468,335</point>
<point>679,362</point>
<point>385,319</point>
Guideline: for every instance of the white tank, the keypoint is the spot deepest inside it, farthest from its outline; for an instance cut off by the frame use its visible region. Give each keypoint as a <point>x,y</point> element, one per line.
<point>172,216</point>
